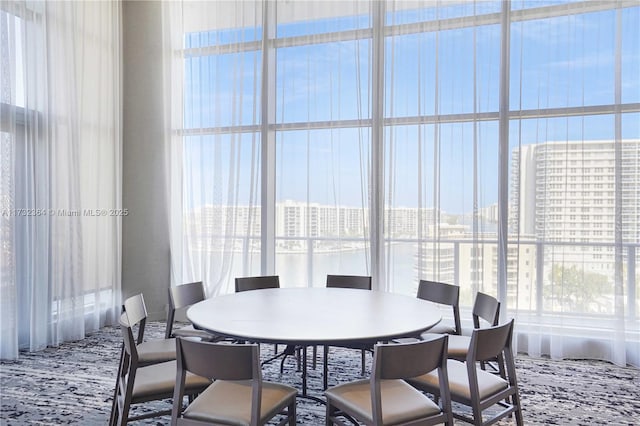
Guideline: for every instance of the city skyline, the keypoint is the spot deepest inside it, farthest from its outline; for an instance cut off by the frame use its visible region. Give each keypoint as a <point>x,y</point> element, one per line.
<point>489,211</point>
<point>578,229</point>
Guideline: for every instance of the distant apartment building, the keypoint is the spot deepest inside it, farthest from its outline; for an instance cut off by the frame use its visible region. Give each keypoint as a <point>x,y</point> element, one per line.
<point>295,219</point>
<point>440,261</point>
<point>489,213</point>
<point>565,193</point>
<point>298,221</point>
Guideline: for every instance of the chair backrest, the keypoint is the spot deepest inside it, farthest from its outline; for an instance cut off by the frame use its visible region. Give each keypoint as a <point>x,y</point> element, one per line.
<point>407,360</point>
<point>491,342</point>
<point>135,308</point>
<point>185,295</point>
<point>218,361</point>
<point>360,282</point>
<point>443,294</point>
<point>257,283</point>
<point>129,340</point>
<point>136,311</point>
<point>180,297</point>
<point>487,308</point>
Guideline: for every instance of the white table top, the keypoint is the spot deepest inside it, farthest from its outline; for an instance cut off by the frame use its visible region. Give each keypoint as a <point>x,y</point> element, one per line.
<point>314,315</point>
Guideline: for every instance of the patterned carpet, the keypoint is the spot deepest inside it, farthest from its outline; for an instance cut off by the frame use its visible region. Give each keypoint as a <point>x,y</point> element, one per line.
<point>73,384</point>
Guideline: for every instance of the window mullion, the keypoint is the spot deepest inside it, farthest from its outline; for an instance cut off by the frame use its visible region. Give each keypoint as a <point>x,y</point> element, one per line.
<point>376,208</point>
<point>503,155</point>
<point>268,141</point>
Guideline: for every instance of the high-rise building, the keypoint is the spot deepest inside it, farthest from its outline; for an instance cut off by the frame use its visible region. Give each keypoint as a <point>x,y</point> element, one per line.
<point>565,195</point>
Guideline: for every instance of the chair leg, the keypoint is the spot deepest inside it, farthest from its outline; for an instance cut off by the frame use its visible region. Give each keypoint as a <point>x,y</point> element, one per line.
<point>289,350</point>
<point>325,367</point>
<point>519,420</point>
<point>363,361</point>
<point>315,354</point>
<point>477,413</point>
<point>329,414</point>
<point>515,398</point>
<point>292,413</point>
<point>124,415</point>
<point>113,418</point>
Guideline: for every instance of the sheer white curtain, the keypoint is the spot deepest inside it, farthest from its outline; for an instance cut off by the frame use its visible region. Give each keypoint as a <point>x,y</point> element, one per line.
<point>441,145</point>
<point>213,83</point>
<point>323,142</point>
<point>575,169</point>
<point>61,171</point>
<point>269,140</point>
<point>572,174</point>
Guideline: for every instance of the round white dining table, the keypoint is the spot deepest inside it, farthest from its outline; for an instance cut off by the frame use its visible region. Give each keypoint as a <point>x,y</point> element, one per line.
<point>314,316</point>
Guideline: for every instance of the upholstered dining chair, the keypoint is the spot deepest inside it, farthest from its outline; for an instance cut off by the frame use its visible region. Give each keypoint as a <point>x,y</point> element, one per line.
<point>149,351</point>
<point>386,398</point>
<point>257,282</point>
<point>264,282</point>
<point>181,297</point>
<point>137,383</point>
<point>486,311</point>
<point>442,294</point>
<point>477,388</point>
<point>237,395</point>
<point>358,282</point>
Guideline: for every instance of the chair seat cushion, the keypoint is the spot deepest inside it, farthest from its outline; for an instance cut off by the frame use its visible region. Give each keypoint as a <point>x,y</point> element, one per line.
<point>423,336</point>
<point>488,384</point>
<point>405,340</point>
<point>442,328</point>
<point>189,331</point>
<point>229,402</point>
<point>161,378</point>
<point>156,350</point>
<point>400,402</point>
<point>458,347</point>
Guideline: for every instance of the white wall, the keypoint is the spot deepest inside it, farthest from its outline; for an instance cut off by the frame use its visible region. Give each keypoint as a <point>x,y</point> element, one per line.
<point>145,235</point>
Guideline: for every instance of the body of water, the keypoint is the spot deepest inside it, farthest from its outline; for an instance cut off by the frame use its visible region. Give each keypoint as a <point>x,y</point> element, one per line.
<point>302,270</point>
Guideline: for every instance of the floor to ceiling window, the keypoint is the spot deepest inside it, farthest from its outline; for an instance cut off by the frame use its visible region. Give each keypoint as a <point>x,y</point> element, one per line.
<point>322,140</point>
<point>441,143</point>
<point>489,144</point>
<point>574,166</point>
